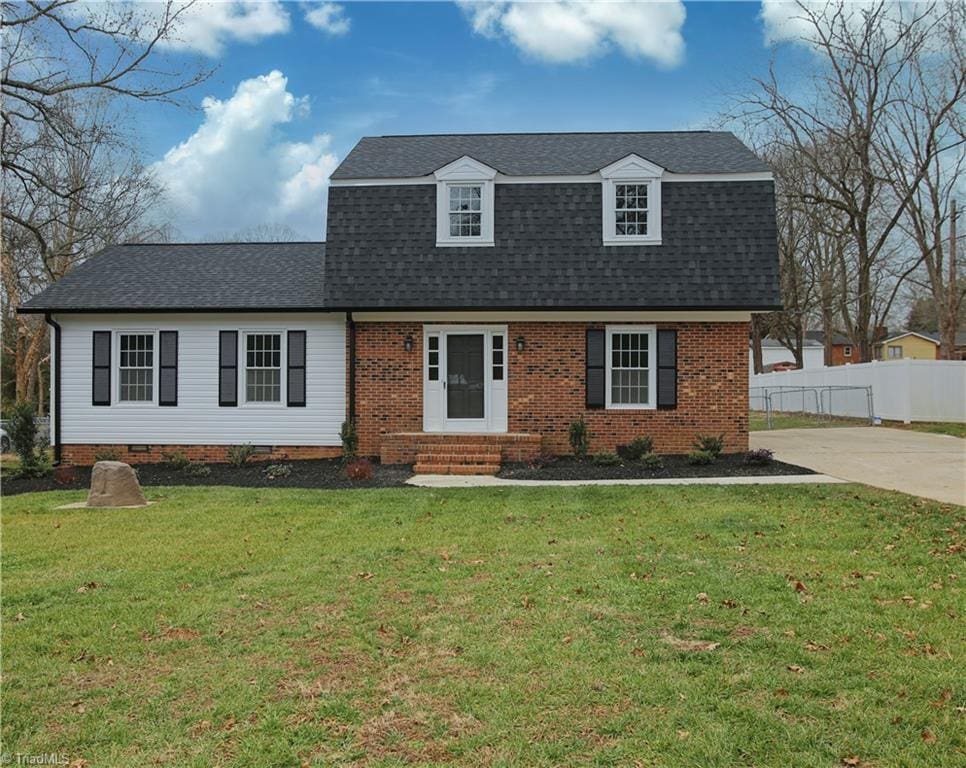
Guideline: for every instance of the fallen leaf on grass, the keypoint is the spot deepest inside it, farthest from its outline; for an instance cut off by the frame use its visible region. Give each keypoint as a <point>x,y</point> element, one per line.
<point>79,706</point>
<point>88,587</point>
<point>853,760</point>
<point>702,597</point>
<point>795,668</point>
<point>19,617</point>
<point>689,645</point>
<point>364,575</point>
<point>682,735</point>
<point>810,646</point>
<point>928,736</point>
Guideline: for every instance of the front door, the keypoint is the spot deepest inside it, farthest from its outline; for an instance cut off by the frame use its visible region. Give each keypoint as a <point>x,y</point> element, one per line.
<point>464,379</point>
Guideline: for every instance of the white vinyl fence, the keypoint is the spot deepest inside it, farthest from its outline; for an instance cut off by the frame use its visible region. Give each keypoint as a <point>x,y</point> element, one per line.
<point>902,390</point>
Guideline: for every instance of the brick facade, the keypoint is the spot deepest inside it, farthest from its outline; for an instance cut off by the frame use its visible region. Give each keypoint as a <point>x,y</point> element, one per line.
<point>83,455</point>
<point>546,387</point>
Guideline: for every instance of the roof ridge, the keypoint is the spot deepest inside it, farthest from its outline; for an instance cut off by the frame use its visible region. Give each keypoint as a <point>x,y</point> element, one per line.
<point>230,242</point>
<point>532,133</point>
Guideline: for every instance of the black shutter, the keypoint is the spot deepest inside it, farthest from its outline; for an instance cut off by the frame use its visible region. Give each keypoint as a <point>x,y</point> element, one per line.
<point>228,368</point>
<point>296,368</point>
<point>596,351</point>
<point>101,369</point>
<point>168,368</point>
<point>667,369</point>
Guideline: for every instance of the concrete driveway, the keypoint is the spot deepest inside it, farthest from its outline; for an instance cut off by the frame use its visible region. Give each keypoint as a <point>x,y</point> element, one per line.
<point>919,463</point>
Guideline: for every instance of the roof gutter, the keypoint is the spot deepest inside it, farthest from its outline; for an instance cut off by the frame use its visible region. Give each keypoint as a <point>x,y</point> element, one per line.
<point>55,409</point>
<point>395,308</point>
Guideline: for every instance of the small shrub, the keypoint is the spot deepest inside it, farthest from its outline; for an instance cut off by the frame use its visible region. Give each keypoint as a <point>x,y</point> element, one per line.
<point>759,457</point>
<point>606,459</point>
<point>197,469</point>
<point>22,429</point>
<point>275,471</point>
<point>238,455</point>
<point>713,444</point>
<point>699,457</point>
<point>176,459</point>
<point>360,469</point>
<point>652,461</point>
<point>635,448</point>
<point>579,436</point>
<point>350,440</point>
<point>108,454</point>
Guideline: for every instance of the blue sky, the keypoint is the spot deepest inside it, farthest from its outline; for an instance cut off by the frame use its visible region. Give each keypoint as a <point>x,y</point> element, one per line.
<point>288,98</point>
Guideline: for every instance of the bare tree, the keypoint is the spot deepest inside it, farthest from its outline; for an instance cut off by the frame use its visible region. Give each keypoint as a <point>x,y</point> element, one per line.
<point>71,179</point>
<point>841,129</point>
<point>48,233</point>
<point>926,133</point>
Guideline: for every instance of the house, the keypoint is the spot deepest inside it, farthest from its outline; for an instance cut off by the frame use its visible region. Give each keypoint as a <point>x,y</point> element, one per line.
<point>842,351</point>
<point>475,295</point>
<point>775,356</point>
<point>908,344</point>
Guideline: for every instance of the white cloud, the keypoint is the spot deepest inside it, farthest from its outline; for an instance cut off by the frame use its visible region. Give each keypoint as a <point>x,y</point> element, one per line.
<point>329,17</point>
<point>207,27</point>
<point>234,173</point>
<point>788,20</point>
<point>563,31</point>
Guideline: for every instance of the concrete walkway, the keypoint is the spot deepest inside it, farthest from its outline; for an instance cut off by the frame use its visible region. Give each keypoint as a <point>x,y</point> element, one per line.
<point>477,481</point>
<point>933,466</point>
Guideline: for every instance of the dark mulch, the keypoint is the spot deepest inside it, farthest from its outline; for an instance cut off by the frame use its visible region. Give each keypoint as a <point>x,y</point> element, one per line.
<point>313,473</point>
<point>569,468</point>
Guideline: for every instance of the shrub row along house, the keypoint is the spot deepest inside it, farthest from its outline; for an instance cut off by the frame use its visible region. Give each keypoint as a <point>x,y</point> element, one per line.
<point>475,295</point>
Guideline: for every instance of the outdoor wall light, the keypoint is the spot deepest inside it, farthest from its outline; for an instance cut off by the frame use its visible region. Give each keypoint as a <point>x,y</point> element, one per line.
<point>408,343</point>
<point>520,344</point>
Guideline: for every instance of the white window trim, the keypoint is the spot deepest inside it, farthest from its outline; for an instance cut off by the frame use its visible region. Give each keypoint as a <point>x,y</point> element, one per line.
<point>651,331</point>
<point>631,170</point>
<point>243,401</point>
<point>460,173</point>
<point>847,350</point>
<point>116,368</point>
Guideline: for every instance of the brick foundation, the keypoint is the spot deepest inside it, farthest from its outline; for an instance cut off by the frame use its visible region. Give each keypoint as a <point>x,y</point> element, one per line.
<point>83,455</point>
<point>546,387</point>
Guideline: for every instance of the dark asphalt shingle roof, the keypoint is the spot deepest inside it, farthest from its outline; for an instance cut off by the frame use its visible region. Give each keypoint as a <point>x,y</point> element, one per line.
<point>548,154</point>
<point>191,276</point>
<point>719,250</point>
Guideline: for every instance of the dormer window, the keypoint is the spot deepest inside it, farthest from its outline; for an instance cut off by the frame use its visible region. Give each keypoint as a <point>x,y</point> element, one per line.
<point>464,203</point>
<point>632,202</point>
<point>465,210</point>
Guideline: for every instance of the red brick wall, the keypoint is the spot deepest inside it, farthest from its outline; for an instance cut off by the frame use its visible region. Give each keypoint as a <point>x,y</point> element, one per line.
<point>546,387</point>
<point>838,355</point>
<point>83,455</point>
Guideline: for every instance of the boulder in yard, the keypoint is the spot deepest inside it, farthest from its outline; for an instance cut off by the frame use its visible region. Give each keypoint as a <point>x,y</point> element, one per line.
<point>114,484</point>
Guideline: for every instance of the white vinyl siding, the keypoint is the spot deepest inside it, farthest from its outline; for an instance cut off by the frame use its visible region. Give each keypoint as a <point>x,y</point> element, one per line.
<point>198,419</point>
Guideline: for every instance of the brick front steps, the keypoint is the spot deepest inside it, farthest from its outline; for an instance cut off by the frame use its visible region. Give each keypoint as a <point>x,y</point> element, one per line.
<point>458,454</point>
<point>458,459</point>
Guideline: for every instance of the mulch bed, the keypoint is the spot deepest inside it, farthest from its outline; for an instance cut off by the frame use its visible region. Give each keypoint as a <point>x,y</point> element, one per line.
<point>312,473</point>
<point>569,468</point>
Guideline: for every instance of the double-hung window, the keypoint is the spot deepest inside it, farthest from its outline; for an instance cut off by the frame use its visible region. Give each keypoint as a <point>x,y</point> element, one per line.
<point>630,209</point>
<point>631,367</point>
<point>631,202</point>
<point>464,203</point>
<point>135,367</point>
<point>263,367</point>
<point>465,210</point>
<point>895,352</point>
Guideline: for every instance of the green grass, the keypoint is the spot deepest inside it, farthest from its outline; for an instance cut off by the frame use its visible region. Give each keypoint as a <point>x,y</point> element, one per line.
<point>758,422</point>
<point>510,627</point>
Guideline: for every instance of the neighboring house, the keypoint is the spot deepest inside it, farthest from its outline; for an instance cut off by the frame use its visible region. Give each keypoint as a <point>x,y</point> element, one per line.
<point>776,356</point>
<point>908,344</point>
<point>843,352</point>
<point>476,294</point>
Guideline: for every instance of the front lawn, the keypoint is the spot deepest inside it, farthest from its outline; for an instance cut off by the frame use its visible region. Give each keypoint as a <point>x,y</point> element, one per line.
<point>686,626</point>
<point>758,421</point>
